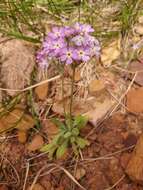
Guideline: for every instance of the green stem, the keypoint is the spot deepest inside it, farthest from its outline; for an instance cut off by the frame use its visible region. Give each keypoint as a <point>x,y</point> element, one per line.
<point>63,94</point>
<point>72,88</point>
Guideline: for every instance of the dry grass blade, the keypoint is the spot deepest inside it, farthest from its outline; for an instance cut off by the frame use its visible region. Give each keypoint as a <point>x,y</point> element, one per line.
<point>33,86</point>
<point>27,171</point>
<point>110,155</point>
<point>55,166</point>
<point>126,71</point>
<point>14,169</point>
<point>39,172</point>
<point>123,95</point>
<point>112,187</point>
<point>71,177</point>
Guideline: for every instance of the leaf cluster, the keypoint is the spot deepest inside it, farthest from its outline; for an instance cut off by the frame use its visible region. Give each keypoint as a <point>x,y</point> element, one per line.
<point>68,136</point>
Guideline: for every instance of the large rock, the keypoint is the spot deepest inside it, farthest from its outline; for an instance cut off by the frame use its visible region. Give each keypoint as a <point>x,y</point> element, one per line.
<point>17,60</point>
<point>135,165</point>
<point>135,100</point>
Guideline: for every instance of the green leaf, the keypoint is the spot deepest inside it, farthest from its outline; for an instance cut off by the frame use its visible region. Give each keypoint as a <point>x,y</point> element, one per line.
<point>52,152</point>
<point>69,122</point>
<point>59,124</point>
<point>80,121</point>
<point>50,149</point>
<point>75,131</point>
<point>46,148</point>
<point>81,142</point>
<point>67,134</point>
<point>62,149</point>
<point>72,139</point>
<point>23,37</point>
<point>57,138</point>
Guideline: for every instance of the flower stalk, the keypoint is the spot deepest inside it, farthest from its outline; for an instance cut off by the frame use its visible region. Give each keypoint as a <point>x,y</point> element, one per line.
<point>72,91</point>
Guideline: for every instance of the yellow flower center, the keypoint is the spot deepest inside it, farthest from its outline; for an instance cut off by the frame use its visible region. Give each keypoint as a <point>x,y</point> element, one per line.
<point>69,54</point>
<point>57,45</point>
<point>81,53</point>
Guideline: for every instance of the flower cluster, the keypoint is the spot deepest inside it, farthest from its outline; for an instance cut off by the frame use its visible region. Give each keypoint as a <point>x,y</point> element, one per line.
<point>69,44</point>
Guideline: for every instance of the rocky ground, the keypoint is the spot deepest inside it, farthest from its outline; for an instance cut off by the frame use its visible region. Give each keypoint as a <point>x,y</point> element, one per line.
<point>109,93</point>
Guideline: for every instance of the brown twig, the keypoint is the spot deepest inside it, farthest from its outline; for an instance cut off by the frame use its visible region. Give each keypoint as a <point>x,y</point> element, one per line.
<point>124,94</point>
<point>55,166</point>
<point>110,188</point>
<point>33,86</point>
<point>26,176</point>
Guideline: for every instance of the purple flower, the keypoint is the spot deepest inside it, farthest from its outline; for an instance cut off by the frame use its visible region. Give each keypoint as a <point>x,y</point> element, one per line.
<point>56,46</point>
<point>92,41</point>
<point>69,44</point>
<point>40,55</point>
<point>79,40</point>
<point>78,27</point>
<point>82,54</point>
<point>56,33</point>
<point>87,28</point>
<point>67,31</point>
<point>67,55</point>
<point>83,28</point>
<point>46,46</point>
<point>95,51</point>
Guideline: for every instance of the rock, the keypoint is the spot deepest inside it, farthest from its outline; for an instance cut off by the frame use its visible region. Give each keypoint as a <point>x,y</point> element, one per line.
<point>80,173</point>
<point>36,143</point>
<point>17,64</point>
<point>37,186</point>
<point>135,166</point>
<point>134,100</point>
<point>93,109</point>
<point>95,115</point>
<point>42,91</point>
<point>137,66</point>
<point>96,86</point>
<point>22,136</point>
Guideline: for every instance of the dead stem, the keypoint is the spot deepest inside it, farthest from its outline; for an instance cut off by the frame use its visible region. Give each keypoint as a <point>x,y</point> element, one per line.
<point>124,94</point>
<point>15,171</point>
<point>33,86</point>
<point>110,155</point>
<point>125,70</point>
<point>75,169</point>
<point>110,188</point>
<point>26,176</point>
<point>55,166</point>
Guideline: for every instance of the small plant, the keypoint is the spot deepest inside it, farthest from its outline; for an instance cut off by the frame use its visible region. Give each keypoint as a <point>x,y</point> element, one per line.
<point>69,135</point>
<point>68,45</point>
